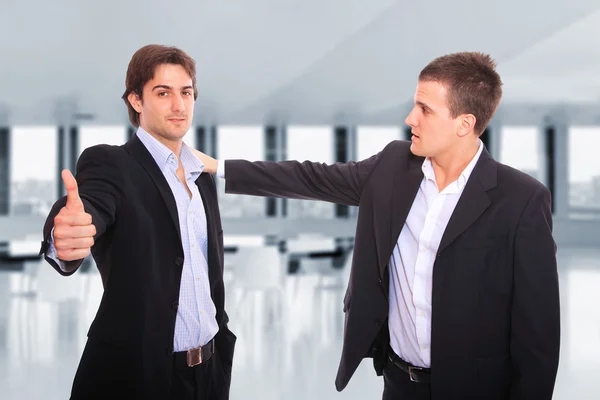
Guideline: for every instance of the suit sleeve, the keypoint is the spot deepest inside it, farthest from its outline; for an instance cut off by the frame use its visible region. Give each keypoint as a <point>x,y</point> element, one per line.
<point>340,183</point>
<point>535,326</point>
<point>99,181</point>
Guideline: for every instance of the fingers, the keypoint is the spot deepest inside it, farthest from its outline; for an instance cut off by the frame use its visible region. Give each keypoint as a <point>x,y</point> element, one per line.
<point>66,218</point>
<point>74,232</point>
<point>210,164</point>
<point>74,203</point>
<point>73,244</point>
<point>73,228</point>
<point>73,254</point>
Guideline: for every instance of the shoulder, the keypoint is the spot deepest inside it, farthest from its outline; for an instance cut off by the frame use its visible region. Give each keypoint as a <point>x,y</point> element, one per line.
<point>402,146</point>
<point>102,156</point>
<point>518,181</point>
<point>103,150</point>
<point>522,190</point>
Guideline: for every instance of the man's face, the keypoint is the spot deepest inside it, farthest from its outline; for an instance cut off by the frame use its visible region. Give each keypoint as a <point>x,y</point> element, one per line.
<point>434,131</point>
<point>167,105</point>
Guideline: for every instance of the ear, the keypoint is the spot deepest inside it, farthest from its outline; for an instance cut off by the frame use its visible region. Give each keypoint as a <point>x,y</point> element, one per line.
<point>467,124</point>
<point>135,102</point>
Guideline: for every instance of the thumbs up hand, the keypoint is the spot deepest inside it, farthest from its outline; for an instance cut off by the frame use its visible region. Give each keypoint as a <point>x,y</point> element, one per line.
<point>73,228</point>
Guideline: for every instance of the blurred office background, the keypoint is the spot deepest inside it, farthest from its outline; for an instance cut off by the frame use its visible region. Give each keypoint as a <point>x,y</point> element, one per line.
<point>320,80</point>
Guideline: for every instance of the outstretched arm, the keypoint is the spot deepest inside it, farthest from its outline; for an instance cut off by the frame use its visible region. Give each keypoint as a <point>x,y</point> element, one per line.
<point>340,183</point>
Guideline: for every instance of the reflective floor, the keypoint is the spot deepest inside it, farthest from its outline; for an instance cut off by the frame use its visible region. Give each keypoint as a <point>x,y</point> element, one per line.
<point>289,339</point>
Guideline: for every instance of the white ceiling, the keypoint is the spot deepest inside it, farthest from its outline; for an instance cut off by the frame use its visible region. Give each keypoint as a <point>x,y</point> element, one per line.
<point>297,61</point>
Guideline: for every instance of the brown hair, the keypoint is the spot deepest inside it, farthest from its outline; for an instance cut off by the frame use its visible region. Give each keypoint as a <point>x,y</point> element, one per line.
<point>474,86</point>
<point>142,66</point>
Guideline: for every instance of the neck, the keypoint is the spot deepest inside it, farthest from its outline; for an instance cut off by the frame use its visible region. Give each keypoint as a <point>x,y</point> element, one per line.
<point>448,167</point>
<point>172,144</point>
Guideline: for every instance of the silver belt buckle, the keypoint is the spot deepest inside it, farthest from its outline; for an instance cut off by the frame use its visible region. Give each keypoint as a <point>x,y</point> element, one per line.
<point>194,356</point>
<point>410,372</point>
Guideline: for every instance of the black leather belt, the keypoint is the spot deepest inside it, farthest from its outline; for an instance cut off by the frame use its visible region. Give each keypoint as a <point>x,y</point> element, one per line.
<point>193,357</point>
<point>416,374</point>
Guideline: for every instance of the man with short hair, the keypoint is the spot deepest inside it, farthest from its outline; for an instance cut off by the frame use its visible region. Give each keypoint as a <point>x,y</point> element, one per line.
<point>454,286</point>
<point>151,219</point>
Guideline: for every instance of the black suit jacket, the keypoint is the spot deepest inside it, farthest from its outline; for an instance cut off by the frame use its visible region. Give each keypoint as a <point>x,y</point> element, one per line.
<point>139,254</point>
<point>495,301</point>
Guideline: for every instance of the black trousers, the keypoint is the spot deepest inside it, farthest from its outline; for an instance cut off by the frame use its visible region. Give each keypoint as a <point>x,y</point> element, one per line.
<point>105,373</point>
<point>398,386</point>
<point>200,382</point>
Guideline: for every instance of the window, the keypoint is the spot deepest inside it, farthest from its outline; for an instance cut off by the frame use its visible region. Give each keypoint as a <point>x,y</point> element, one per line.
<point>241,142</point>
<point>520,148</point>
<point>33,170</point>
<point>313,143</point>
<point>584,167</point>
<point>370,140</point>
<point>93,135</point>
<point>190,137</point>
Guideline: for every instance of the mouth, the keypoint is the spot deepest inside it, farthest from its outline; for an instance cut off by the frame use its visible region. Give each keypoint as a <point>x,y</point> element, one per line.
<point>176,120</point>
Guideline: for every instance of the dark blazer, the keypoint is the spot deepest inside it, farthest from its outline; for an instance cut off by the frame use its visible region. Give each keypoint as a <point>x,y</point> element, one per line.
<point>495,301</point>
<point>139,254</point>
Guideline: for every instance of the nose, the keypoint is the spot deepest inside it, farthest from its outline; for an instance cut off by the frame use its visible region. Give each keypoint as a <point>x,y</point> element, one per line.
<point>410,119</point>
<point>177,105</point>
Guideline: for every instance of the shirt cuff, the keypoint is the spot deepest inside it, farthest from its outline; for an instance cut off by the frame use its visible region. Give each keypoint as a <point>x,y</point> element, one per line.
<point>221,169</point>
<point>52,254</point>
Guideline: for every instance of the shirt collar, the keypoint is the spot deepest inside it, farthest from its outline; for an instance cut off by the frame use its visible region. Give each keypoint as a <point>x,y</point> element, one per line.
<point>191,163</point>
<point>163,156</point>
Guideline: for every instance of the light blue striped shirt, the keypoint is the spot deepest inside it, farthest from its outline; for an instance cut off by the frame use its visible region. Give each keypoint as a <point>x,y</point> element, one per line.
<point>196,322</point>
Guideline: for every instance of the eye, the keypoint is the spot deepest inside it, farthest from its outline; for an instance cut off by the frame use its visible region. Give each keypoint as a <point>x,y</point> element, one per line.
<point>187,93</point>
<point>425,110</point>
<point>163,94</point>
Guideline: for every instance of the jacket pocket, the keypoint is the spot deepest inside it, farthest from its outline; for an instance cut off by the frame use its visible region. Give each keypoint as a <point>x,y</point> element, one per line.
<point>226,346</point>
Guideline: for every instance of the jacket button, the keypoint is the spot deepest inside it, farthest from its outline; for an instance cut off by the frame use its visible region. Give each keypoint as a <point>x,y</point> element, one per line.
<point>379,322</point>
<point>170,351</point>
<point>179,261</point>
<point>380,281</point>
<point>175,305</point>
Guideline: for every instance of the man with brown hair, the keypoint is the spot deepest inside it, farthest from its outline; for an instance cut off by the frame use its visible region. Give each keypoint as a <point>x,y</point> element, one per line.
<point>454,287</point>
<point>151,219</point>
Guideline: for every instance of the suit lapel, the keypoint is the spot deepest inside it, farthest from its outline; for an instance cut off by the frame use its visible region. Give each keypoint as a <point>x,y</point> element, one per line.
<point>204,182</point>
<point>473,201</point>
<point>201,183</point>
<point>404,191</point>
<point>136,148</point>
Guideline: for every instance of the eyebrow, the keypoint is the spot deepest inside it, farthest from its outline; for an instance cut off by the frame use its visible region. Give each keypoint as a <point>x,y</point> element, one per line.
<point>420,103</point>
<point>167,87</point>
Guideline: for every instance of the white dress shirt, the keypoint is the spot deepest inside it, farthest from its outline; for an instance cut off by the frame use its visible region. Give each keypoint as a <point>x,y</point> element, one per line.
<point>411,264</point>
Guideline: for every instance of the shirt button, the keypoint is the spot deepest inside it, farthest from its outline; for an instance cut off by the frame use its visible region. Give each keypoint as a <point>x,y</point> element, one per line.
<point>422,249</point>
<point>423,347</point>
<point>421,314</point>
